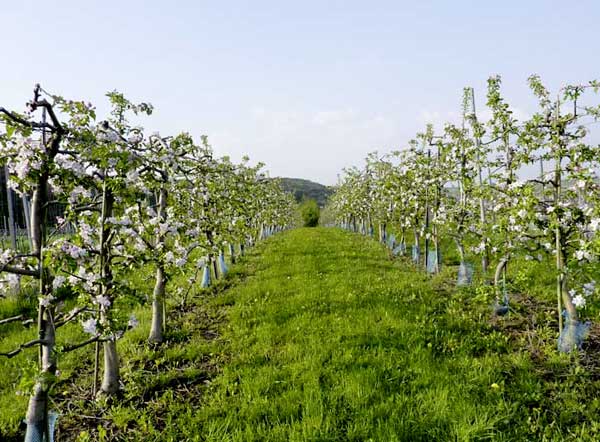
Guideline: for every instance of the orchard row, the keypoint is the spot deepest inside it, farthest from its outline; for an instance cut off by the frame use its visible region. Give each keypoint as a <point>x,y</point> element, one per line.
<point>131,201</point>
<point>498,190</point>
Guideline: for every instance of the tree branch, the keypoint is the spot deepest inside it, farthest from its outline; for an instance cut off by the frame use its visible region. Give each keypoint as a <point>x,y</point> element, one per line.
<point>22,347</point>
<point>20,271</point>
<point>13,319</point>
<point>71,316</point>
<point>96,338</point>
<point>50,109</point>
<point>23,122</point>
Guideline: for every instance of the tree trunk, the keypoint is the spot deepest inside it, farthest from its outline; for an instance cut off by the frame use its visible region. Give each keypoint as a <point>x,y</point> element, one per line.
<point>382,232</point>
<point>416,255</point>
<point>215,269</point>
<point>37,410</point>
<point>501,267</point>
<point>232,253</point>
<point>485,258</point>
<point>158,301</point>
<point>460,248</point>
<point>110,380</point>
<point>37,216</point>
<point>158,296</point>
<point>111,377</point>
<point>11,212</point>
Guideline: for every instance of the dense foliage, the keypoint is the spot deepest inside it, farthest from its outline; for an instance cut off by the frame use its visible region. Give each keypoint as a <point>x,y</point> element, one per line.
<point>497,190</point>
<point>310,213</point>
<point>131,200</point>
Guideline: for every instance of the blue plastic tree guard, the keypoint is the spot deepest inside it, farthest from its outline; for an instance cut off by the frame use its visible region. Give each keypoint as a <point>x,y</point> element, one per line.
<point>400,249</point>
<point>222,266</point>
<point>205,277</point>
<point>416,254</point>
<point>573,334</point>
<point>501,309</point>
<point>465,274</point>
<point>35,433</point>
<point>391,241</point>
<point>432,261</point>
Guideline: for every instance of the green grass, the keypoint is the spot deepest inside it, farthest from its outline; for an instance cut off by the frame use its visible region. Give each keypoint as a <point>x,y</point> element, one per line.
<point>319,336</point>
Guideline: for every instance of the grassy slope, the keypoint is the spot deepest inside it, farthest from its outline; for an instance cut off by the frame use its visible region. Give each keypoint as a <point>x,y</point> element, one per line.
<point>327,339</point>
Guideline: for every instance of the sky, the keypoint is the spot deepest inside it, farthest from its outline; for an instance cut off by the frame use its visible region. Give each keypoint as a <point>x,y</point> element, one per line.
<point>307,87</point>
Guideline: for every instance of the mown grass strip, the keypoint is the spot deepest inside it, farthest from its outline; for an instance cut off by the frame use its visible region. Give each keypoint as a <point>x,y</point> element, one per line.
<point>331,340</point>
<point>317,335</point>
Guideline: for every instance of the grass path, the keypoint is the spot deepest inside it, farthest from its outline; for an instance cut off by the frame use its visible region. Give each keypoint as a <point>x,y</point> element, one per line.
<point>330,340</point>
<point>317,335</point>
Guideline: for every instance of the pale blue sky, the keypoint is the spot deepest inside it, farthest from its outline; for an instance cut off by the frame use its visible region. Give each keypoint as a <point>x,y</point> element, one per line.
<point>308,87</point>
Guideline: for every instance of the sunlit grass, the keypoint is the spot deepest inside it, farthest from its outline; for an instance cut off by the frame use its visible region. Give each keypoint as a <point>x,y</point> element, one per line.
<point>322,337</point>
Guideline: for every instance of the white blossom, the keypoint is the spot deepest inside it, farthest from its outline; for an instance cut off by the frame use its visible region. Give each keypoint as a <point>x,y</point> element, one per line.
<point>90,326</point>
<point>579,301</point>
<point>583,255</point>
<point>58,281</point>
<point>46,300</point>
<point>589,288</point>
<point>102,301</point>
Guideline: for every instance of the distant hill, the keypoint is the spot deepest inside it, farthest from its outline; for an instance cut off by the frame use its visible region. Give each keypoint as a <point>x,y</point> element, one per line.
<point>306,189</point>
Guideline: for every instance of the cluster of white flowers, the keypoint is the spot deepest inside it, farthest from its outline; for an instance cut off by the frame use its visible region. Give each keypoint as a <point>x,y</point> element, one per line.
<point>480,248</point>
<point>124,221</point>
<point>179,258</point>
<point>579,299</point>
<point>102,300</point>
<point>135,138</point>
<point>26,157</point>
<point>516,185</point>
<point>78,193</point>
<point>73,250</point>
<point>7,256</point>
<point>83,278</point>
<point>583,255</point>
<point>45,301</point>
<point>10,281</point>
<point>90,326</point>
<point>87,233</point>
<point>74,166</point>
<point>58,282</point>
